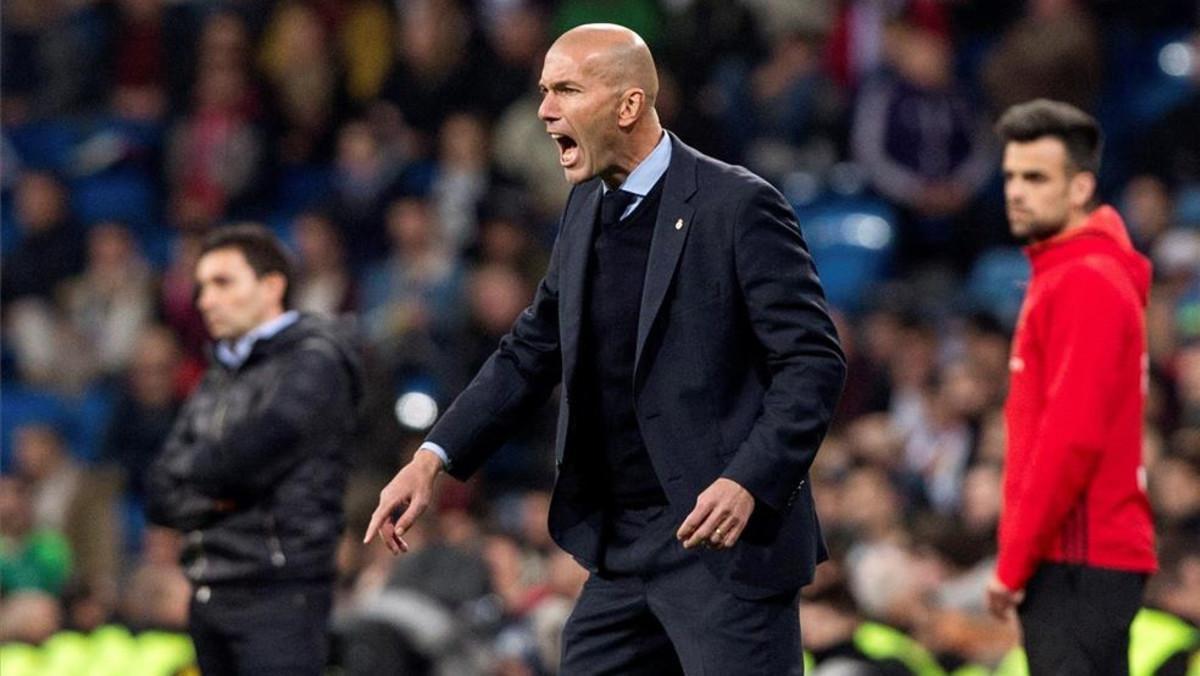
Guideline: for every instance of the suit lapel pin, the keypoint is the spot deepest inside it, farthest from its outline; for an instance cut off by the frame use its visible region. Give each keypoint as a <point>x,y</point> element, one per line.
<point>679,224</point>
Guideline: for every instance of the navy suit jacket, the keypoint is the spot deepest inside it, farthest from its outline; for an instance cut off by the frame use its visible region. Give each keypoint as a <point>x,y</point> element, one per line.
<point>737,369</point>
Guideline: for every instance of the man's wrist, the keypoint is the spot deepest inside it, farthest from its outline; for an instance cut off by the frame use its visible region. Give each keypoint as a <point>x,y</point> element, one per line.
<point>429,460</point>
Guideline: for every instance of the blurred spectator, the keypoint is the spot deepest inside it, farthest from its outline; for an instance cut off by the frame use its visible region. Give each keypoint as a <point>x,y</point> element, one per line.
<point>1052,52</point>
<point>366,46</point>
<point>1175,491</point>
<point>67,497</point>
<point>1176,588</point>
<point>496,295</point>
<point>517,36</point>
<point>44,43</point>
<point>981,500</point>
<point>149,399</point>
<point>525,153</point>
<point>410,300</point>
<point>439,67</point>
<point>31,557</point>
<point>940,440</point>
<point>857,42</point>
<point>919,138</point>
<point>111,302</point>
<point>29,617</point>
<point>842,642</point>
<point>148,74</point>
<point>177,296</point>
<point>48,249</point>
<point>368,176</point>
<point>1187,364</point>
<point>217,152</point>
<point>54,477</point>
<point>462,178</point>
<point>505,236</point>
<point>324,284</point>
<point>1148,208</point>
<point>297,61</point>
<point>784,114</point>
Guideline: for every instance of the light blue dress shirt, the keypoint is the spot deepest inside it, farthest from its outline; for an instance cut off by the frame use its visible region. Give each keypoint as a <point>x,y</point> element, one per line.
<point>234,353</point>
<point>643,177</point>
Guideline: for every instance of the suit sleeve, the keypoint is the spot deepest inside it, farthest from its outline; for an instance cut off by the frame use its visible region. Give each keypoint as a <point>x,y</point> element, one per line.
<point>260,448</point>
<point>789,318</point>
<point>511,384</point>
<point>1084,326</point>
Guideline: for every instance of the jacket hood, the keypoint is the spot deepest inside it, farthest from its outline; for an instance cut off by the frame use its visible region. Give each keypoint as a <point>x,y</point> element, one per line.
<point>1103,233</point>
<point>341,333</point>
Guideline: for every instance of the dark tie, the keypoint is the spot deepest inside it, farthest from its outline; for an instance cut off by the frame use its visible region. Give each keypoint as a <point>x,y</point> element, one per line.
<point>613,204</point>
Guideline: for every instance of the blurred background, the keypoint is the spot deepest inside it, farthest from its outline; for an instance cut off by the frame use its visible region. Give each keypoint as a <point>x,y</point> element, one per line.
<point>395,147</point>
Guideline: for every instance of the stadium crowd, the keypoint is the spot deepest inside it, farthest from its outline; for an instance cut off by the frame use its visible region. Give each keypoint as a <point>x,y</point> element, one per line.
<point>395,147</point>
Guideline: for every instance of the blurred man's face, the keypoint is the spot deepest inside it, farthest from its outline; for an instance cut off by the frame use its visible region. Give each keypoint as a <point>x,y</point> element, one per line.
<point>1040,188</point>
<point>233,299</point>
<point>580,111</point>
<point>40,202</point>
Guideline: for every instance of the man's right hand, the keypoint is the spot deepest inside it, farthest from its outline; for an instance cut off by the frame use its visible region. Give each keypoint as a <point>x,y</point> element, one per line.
<point>410,490</point>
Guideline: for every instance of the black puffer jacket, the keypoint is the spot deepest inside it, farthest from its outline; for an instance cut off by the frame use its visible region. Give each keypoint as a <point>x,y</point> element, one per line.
<point>254,469</point>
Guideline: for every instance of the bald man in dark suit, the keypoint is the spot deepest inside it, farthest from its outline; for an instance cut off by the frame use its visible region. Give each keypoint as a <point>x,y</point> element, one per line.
<point>683,316</point>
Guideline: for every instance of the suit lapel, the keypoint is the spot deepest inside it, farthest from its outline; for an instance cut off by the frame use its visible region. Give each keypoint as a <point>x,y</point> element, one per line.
<point>578,227</point>
<point>671,229</point>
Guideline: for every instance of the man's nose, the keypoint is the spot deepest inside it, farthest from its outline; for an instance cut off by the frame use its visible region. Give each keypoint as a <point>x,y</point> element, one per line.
<point>203,301</point>
<point>547,111</point>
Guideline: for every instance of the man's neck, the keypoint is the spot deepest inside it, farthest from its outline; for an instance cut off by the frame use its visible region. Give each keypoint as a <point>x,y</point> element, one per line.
<point>639,148</point>
<point>1075,220</point>
<point>271,316</point>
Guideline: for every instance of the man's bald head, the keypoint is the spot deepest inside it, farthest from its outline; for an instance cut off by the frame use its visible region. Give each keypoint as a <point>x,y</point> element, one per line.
<point>598,88</point>
<point>615,54</point>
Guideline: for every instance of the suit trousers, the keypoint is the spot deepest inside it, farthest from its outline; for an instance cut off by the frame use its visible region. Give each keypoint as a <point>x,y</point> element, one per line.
<point>1075,619</point>
<point>654,608</point>
<point>269,629</point>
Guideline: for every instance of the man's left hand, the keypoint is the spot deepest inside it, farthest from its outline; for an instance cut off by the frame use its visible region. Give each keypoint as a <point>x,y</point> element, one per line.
<point>720,516</point>
<point>1001,600</point>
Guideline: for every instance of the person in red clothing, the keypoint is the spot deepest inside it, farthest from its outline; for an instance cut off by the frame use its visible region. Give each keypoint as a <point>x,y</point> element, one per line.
<point>1076,537</point>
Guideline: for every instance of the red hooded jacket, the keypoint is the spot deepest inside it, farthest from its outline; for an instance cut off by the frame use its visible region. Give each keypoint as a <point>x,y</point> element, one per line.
<point>1074,484</point>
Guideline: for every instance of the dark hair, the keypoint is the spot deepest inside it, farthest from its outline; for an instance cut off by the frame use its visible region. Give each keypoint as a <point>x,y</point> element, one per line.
<point>1039,118</point>
<point>262,249</point>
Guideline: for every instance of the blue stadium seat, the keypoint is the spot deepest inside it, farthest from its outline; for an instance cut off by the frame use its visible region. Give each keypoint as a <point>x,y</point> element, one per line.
<point>156,243</point>
<point>10,232</point>
<point>22,406</point>
<point>303,187</point>
<point>92,413</point>
<point>124,195</point>
<point>997,282</point>
<point>46,144</point>
<point>852,242</point>
<point>1187,206</point>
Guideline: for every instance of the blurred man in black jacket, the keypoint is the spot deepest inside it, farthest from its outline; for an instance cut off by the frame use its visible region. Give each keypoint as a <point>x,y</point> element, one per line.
<point>254,469</point>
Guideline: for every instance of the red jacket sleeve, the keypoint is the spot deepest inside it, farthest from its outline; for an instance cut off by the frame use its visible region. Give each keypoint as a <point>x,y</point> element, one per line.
<point>1082,328</point>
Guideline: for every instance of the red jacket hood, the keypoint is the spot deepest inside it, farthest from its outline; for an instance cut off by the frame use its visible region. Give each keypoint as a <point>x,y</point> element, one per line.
<point>1103,233</point>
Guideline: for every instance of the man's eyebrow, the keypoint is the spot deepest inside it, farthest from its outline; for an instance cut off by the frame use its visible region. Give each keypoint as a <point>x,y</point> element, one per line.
<point>558,84</point>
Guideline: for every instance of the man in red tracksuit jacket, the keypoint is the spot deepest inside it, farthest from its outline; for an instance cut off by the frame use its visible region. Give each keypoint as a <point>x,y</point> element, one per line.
<point>1076,536</point>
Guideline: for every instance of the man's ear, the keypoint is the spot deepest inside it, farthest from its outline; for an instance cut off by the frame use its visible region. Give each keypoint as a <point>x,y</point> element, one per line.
<point>276,285</point>
<point>632,106</point>
<point>1082,189</point>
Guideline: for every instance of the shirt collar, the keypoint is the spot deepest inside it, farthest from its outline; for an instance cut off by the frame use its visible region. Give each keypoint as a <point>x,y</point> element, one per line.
<point>234,353</point>
<point>643,177</point>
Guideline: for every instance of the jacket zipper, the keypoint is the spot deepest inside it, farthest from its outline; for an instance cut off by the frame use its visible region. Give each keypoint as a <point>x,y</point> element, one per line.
<point>278,558</point>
